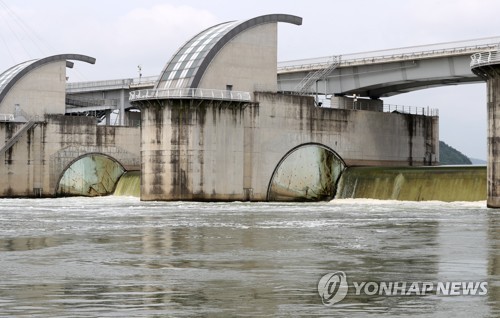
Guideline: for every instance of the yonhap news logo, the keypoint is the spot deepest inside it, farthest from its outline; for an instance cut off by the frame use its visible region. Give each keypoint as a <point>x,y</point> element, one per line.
<point>334,287</point>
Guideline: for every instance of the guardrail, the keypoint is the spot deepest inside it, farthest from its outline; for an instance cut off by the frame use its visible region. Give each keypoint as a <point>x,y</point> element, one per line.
<point>109,84</point>
<point>484,58</point>
<point>407,53</point>
<point>144,80</point>
<point>413,110</point>
<point>363,105</point>
<point>6,117</point>
<point>189,93</point>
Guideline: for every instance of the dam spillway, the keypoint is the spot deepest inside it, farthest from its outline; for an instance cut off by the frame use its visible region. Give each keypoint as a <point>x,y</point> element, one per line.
<point>441,183</point>
<point>129,184</point>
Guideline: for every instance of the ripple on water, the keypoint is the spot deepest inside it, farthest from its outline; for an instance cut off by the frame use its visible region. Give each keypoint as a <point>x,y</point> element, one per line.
<point>122,257</point>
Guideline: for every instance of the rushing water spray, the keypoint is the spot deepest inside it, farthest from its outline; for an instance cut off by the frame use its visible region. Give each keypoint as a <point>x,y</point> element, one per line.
<point>445,183</point>
<point>129,184</point>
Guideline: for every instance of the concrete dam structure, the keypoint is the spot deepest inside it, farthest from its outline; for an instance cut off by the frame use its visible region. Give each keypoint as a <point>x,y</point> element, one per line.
<point>215,128</point>
<point>436,183</point>
<point>222,122</point>
<point>48,154</point>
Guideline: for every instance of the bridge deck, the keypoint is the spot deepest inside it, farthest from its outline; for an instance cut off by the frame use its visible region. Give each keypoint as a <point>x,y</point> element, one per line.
<point>455,48</point>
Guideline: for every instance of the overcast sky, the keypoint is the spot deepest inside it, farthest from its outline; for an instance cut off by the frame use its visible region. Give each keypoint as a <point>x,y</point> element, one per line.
<point>124,34</point>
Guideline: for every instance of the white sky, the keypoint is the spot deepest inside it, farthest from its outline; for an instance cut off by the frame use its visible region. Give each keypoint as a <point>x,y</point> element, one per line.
<point>123,34</point>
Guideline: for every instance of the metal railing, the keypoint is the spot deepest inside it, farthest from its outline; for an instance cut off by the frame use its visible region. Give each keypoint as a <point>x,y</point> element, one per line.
<point>144,80</point>
<point>399,54</point>
<point>6,117</point>
<point>412,110</point>
<point>110,84</point>
<point>116,83</point>
<point>77,101</point>
<point>484,58</point>
<point>189,93</point>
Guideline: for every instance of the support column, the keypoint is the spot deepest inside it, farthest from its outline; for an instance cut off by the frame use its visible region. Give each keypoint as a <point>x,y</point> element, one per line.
<point>108,117</point>
<point>493,173</point>
<point>122,108</point>
<point>486,66</point>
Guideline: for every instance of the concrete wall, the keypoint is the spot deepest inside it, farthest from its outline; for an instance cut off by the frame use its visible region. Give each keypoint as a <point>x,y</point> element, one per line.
<point>34,165</point>
<point>247,62</point>
<point>192,150</point>
<point>41,91</point>
<point>207,150</point>
<point>358,103</point>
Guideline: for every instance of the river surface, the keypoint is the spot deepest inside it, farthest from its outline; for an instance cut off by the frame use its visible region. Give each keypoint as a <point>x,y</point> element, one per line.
<point>120,257</point>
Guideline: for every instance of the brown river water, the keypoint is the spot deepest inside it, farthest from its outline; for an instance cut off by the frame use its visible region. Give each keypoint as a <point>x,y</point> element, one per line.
<point>120,257</point>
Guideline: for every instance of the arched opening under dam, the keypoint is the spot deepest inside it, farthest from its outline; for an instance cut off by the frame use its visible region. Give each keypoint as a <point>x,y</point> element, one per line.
<point>309,172</point>
<point>90,175</point>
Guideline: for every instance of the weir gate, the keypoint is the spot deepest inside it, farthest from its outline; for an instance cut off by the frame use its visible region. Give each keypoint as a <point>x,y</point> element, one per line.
<point>223,121</point>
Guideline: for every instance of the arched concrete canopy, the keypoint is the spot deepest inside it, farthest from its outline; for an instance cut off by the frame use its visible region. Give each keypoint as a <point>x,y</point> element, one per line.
<point>9,78</point>
<point>186,68</point>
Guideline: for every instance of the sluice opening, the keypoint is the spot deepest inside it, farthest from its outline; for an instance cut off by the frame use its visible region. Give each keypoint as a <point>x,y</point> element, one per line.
<point>129,184</point>
<point>91,175</point>
<point>307,173</point>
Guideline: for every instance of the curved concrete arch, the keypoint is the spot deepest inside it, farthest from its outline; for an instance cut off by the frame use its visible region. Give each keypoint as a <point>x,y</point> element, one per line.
<point>240,28</point>
<point>303,180</point>
<point>201,49</point>
<point>37,63</point>
<point>64,157</point>
<point>91,174</point>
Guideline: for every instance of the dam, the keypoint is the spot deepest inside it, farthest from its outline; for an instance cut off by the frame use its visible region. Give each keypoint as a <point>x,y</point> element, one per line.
<point>224,121</point>
<point>438,183</point>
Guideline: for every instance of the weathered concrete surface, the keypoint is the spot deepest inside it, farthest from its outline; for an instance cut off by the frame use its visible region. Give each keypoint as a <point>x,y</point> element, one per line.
<point>491,73</point>
<point>35,164</point>
<point>192,150</point>
<point>205,150</point>
<point>493,105</point>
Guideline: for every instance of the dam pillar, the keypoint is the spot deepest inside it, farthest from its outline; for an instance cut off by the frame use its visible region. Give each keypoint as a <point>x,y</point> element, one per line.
<point>192,149</point>
<point>487,66</point>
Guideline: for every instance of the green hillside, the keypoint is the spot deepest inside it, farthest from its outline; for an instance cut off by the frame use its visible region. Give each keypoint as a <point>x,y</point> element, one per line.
<point>450,156</point>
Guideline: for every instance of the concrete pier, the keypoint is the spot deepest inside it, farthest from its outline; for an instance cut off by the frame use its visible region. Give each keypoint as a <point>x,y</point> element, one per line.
<point>487,66</point>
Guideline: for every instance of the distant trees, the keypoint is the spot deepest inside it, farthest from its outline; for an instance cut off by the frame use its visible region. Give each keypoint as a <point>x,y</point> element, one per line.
<point>450,156</point>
